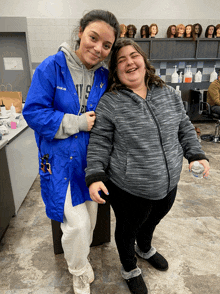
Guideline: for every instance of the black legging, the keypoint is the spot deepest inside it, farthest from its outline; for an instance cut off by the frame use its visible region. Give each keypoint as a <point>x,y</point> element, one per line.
<point>136,219</point>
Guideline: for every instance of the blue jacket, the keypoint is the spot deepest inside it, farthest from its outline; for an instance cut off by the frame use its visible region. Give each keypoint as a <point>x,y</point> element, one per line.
<point>51,95</point>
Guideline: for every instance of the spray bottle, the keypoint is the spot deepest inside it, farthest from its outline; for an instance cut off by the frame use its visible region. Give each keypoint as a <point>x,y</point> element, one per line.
<point>213,75</point>
<point>178,92</point>
<point>174,77</point>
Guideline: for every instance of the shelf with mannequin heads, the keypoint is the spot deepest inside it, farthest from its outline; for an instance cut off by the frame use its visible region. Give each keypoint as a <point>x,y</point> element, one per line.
<point>180,48</point>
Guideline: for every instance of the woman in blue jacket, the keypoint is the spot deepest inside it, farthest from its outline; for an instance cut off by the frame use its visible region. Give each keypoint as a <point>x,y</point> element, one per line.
<point>60,105</point>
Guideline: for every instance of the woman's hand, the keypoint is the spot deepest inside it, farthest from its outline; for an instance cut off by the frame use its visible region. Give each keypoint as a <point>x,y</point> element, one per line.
<point>90,116</point>
<point>94,188</point>
<point>205,163</point>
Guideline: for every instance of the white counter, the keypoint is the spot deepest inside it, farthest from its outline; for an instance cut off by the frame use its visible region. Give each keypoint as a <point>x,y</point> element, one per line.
<point>22,159</point>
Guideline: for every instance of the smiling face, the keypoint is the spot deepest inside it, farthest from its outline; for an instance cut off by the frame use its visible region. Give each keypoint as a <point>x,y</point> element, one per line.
<point>95,43</point>
<point>131,68</point>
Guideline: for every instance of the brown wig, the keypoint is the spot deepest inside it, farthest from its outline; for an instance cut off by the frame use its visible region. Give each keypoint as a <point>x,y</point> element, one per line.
<point>178,27</point>
<point>200,30</point>
<point>207,31</point>
<point>153,25</point>
<point>146,29</point>
<point>132,27</point>
<point>113,80</point>
<point>169,34</point>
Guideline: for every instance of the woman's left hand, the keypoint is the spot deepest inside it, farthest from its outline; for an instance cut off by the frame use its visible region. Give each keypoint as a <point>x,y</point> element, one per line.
<point>205,163</point>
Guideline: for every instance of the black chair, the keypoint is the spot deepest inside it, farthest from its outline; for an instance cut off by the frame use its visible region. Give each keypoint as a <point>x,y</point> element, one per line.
<point>206,111</point>
<point>102,231</point>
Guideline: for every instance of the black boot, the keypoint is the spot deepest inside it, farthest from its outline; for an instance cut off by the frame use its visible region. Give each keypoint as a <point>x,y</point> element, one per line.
<point>134,281</point>
<point>154,258</point>
<point>137,285</point>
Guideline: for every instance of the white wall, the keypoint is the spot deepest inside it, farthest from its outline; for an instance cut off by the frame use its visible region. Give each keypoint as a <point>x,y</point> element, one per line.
<point>143,9</point>
<point>50,22</point>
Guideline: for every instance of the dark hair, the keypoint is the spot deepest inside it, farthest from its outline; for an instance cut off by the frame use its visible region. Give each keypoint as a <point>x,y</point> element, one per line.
<point>133,27</point>
<point>207,30</point>
<point>146,29</point>
<point>169,31</point>
<point>200,29</point>
<point>100,15</point>
<point>113,80</point>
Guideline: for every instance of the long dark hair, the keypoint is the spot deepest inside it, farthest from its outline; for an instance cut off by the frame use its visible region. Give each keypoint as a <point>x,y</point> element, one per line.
<point>113,80</point>
<point>207,31</point>
<point>97,15</point>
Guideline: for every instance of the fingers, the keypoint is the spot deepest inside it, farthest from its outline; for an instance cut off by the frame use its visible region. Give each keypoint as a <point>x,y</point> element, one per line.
<point>206,166</point>
<point>94,189</point>
<point>90,115</point>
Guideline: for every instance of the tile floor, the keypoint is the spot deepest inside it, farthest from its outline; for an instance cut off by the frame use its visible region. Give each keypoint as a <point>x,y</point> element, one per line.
<point>189,237</point>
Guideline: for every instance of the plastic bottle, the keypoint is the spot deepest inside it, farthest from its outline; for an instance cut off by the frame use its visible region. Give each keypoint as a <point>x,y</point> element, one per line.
<point>213,76</point>
<point>198,77</point>
<point>197,170</point>
<point>180,78</point>
<point>178,90</point>
<point>174,77</point>
<point>13,109</point>
<point>188,75</point>
<point>3,109</point>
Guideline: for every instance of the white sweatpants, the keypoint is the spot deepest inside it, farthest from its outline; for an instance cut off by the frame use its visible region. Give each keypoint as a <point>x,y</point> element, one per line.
<point>79,223</point>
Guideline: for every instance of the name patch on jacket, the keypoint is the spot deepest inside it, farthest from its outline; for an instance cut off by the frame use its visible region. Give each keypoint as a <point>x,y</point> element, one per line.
<point>61,88</point>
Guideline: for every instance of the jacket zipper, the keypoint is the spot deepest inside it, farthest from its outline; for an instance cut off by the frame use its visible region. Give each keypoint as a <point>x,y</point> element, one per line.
<point>158,128</point>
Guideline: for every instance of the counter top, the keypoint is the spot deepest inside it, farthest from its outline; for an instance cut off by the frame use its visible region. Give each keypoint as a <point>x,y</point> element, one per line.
<point>6,139</point>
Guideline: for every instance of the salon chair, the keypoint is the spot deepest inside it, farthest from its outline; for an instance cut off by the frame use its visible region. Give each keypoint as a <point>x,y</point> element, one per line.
<point>206,111</point>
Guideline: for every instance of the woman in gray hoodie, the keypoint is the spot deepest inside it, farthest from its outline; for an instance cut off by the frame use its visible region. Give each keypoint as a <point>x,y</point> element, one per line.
<point>135,154</point>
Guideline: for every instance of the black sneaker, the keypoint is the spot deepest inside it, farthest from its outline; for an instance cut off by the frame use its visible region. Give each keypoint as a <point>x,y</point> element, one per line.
<point>137,285</point>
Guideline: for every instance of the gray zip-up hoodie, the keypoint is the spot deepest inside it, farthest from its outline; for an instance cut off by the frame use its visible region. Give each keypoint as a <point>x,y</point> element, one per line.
<point>83,81</point>
<point>139,144</point>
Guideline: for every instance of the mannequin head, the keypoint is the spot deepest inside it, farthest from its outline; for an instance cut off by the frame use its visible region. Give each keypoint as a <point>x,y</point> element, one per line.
<point>123,30</point>
<point>217,29</point>
<point>144,31</point>
<point>153,30</point>
<point>180,30</point>
<point>131,31</point>
<point>197,30</point>
<point>171,31</point>
<point>188,31</point>
<point>210,31</point>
